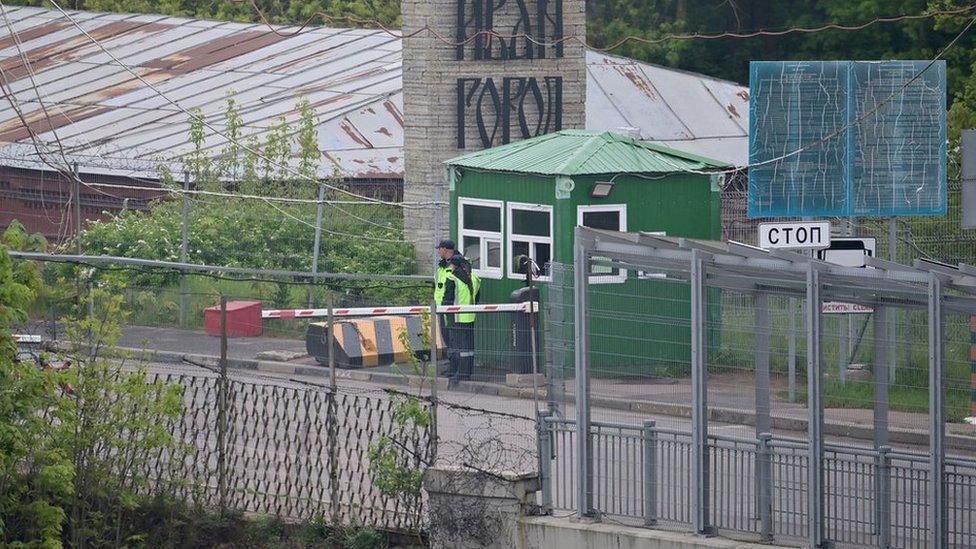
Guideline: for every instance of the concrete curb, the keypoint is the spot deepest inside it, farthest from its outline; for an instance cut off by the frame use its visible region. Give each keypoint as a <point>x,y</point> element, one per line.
<point>723,415</point>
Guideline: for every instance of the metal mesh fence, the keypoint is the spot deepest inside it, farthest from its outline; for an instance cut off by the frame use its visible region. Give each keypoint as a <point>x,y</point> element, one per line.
<point>287,449</point>
<point>644,466</point>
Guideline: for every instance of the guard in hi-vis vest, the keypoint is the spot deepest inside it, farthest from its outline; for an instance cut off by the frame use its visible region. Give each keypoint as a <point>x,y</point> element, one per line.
<point>445,250</point>
<point>461,288</point>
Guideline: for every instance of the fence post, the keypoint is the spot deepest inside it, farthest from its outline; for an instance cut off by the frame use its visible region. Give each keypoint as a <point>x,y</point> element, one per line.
<point>222,411</point>
<point>791,351</point>
<point>584,458</point>
<point>650,472</point>
<point>762,344</point>
<point>937,516</point>
<point>317,244</point>
<point>184,245</point>
<point>700,481</point>
<point>892,318</point>
<point>880,373</point>
<point>815,462</point>
<point>765,492</point>
<point>884,497</point>
<point>332,419</point>
<point>544,438</point>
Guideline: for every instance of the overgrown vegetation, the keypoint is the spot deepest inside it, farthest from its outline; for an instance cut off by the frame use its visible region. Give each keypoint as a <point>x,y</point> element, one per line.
<point>80,430</point>
<point>355,238</point>
<point>395,471</point>
<point>76,429</point>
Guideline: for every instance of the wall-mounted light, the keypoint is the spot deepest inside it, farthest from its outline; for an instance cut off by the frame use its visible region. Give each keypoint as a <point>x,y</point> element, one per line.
<point>601,189</point>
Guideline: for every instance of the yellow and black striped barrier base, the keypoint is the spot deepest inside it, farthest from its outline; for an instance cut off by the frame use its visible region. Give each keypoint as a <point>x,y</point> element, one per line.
<point>368,342</point>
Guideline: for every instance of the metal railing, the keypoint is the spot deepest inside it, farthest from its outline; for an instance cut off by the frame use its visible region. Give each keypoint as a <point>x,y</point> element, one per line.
<point>642,473</point>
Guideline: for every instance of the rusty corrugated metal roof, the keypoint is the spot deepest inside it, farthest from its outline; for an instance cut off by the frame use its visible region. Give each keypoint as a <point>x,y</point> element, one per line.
<point>109,122</point>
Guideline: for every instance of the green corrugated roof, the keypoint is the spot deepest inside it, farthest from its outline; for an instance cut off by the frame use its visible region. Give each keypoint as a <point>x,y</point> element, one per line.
<point>578,152</point>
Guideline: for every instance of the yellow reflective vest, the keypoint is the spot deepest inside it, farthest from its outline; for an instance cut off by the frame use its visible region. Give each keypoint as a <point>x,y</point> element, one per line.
<point>462,296</point>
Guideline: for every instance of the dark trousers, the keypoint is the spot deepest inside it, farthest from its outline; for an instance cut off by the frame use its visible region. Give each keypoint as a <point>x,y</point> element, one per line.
<point>461,351</point>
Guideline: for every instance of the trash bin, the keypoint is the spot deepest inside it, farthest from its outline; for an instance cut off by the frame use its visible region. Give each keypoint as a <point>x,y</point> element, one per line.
<point>522,333</point>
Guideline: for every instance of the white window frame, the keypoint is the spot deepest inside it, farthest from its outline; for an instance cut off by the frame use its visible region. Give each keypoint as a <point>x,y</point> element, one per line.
<point>621,209</point>
<point>484,271</point>
<point>531,239</point>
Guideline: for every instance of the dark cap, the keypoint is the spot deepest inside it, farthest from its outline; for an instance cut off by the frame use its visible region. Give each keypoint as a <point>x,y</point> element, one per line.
<point>446,243</point>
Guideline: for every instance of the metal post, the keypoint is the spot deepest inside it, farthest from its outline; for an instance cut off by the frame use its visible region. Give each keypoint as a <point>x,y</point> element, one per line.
<point>791,352</point>
<point>584,462</point>
<point>937,516</point>
<point>843,346</point>
<point>317,244</point>
<point>433,375</point>
<point>76,195</point>
<point>332,420</point>
<point>880,372</point>
<point>331,341</point>
<point>815,469</point>
<point>884,497</point>
<point>532,336</point>
<point>650,472</point>
<point>765,492</point>
<point>763,422</point>
<point>699,399</point>
<point>434,324</point>
<point>222,411</point>
<point>892,320</point>
<point>184,245</point>
<point>544,438</point>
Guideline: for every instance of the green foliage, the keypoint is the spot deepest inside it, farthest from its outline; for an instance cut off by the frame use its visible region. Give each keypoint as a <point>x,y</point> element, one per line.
<point>73,442</point>
<point>257,234</point>
<point>394,473</point>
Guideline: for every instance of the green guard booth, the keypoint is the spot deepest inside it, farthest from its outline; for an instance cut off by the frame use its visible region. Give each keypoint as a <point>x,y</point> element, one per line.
<point>526,198</point>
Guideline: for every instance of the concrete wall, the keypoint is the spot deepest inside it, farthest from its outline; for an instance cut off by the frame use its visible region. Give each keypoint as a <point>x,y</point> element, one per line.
<point>433,76</point>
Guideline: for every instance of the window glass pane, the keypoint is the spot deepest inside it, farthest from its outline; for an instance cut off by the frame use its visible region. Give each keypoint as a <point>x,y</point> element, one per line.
<point>602,220</point>
<point>494,255</point>
<point>530,223</point>
<point>472,251</point>
<point>518,248</point>
<point>482,218</point>
<point>543,255</point>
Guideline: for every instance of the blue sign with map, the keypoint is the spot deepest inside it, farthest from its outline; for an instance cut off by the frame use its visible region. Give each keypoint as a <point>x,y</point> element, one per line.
<point>847,138</point>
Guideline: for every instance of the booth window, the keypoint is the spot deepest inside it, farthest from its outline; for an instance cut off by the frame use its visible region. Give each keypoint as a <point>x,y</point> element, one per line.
<point>610,217</point>
<point>529,234</point>
<point>481,235</point>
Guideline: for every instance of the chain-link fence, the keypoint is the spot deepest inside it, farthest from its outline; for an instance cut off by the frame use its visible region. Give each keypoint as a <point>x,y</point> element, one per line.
<point>288,449</point>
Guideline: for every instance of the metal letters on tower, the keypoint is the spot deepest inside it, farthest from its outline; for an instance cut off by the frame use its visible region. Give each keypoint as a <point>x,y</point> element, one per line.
<point>510,107</point>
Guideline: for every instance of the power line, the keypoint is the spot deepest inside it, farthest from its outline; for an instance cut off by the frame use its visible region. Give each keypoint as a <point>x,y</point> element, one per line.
<point>492,34</point>
<point>839,131</point>
<point>109,259</point>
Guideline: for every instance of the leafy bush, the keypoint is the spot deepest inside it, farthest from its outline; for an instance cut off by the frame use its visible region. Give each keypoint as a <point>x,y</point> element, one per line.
<point>247,232</point>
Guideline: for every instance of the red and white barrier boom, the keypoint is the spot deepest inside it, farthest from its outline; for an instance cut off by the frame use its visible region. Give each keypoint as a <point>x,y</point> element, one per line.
<point>527,307</point>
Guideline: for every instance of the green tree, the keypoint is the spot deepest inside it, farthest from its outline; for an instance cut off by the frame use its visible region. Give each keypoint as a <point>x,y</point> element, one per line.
<point>35,472</point>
